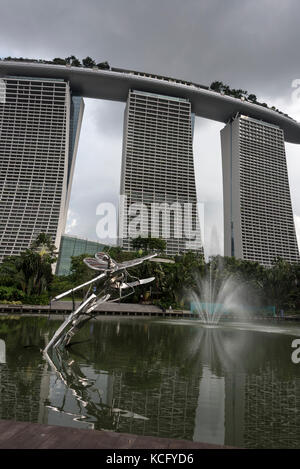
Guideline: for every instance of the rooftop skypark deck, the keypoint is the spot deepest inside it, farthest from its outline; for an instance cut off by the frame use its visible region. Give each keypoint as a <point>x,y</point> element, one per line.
<point>115,83</point>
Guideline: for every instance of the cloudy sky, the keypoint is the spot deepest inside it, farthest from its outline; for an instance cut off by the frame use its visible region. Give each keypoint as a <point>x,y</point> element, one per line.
<point>249,44</point>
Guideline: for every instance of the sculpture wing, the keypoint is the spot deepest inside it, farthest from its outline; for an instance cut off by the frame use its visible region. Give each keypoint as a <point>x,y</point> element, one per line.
<point>104,259</point>
<point>94,264</point>
<point>133,262</point>
<point>137,282</point>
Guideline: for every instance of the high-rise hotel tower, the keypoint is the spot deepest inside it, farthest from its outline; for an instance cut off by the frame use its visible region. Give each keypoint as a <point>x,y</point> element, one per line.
<point>40,122</point>
<point>157,176</point>
<point>258,216</point>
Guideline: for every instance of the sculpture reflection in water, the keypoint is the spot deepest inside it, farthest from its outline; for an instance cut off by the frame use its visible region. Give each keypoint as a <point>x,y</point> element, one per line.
<point>93,407</point>
<point>116,279</point>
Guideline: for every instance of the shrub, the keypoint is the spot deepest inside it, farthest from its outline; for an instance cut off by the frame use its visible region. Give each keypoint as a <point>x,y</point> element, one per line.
<point>6,302</point>
<point>37,300</point>
<point>10,294</point>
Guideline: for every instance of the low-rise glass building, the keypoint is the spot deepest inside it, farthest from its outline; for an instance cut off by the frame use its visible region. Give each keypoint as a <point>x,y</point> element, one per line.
<point>73,246</point>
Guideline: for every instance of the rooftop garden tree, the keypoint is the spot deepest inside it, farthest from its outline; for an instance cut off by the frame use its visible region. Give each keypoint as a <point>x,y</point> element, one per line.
<point>88,62</point>
<point>59,61</point>
<point>103,65</point>
<point>73,61</point>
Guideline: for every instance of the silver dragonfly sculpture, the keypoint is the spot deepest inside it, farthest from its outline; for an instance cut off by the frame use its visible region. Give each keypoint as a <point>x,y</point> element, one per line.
<point>116,279</point>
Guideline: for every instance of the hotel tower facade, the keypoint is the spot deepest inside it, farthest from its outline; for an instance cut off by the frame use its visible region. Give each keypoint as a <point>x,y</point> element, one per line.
<point>40,123</point>
<point>258,216</point>
<point>157,175</point>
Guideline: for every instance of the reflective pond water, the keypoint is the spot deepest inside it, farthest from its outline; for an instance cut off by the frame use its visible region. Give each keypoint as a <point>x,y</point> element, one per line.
<point>230,385</point>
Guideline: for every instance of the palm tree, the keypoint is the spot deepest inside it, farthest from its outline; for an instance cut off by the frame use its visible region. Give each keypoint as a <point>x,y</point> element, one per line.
<point>31,270</point>
<point>44,246</point>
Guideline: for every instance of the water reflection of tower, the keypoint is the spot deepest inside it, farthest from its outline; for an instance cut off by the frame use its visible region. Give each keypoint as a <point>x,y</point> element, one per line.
<point>209,419</point>
<point>203,405</point>
<point>206,405</point>
<point>220,408</point>
<point>169,406</point>
<point>234,409</point>
<point>22,394</point>
<point>257,405</point>
<point>262,410</point>
<point>2,351</point>
<point>272,406</point>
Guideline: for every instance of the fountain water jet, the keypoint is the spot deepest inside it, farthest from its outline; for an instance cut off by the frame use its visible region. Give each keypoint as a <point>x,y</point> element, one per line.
<point>216,295</point>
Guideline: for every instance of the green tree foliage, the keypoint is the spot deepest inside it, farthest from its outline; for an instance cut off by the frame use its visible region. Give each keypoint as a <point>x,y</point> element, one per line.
<point>88,62</point>
<point>44,246</point>
<point>220,87</point>
<point>59,61</point>
<point>103,65</point>
<point>172,280</point>
<point>176,280</point>
<point>119,255</point>
<point>252,97</point>
<point>280,285</point>
<point>149,244</point>
<point>239,93</point>
<point>73,61</point>
<point>11,294</point>
<point>80,272</point>
<point>60,284</point>
<point>217,86</point>
<point>31,271</point>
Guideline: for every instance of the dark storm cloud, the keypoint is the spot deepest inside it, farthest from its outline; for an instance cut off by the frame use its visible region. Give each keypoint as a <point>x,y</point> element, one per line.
<point>250,43</point>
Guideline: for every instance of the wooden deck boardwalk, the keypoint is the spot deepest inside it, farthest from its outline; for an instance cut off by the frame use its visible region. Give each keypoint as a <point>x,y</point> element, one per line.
<point>24,435</point>
<point>62,308</point>
<point>105,309</point>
